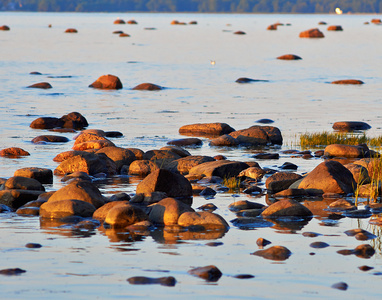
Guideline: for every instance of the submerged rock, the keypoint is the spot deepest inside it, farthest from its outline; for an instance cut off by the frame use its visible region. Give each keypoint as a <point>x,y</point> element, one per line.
<point>65,208</point>
<point>343,286</point>
<point>287,208</point>
<point>12,271</point>
<point>165,281</point>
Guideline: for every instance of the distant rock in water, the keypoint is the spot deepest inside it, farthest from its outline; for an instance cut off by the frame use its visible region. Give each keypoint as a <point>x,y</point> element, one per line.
<point>193,22</point>
<point>117,32</point>
<point>41,85</point>
<point>5,28</point>
<point>350,126</point>
<point>322,23</point>
<point>312,33</point>
<point>239,32</point>
<point>35,73</point>
<point>71,30</point>
<point>348,81</point>
<point>247,80</point>
<point>132,22</point>
<point>264,121</point>
<point>272,27</point>
<point>203,129</point>
<point>289,57</point>
<point>335,28</point>
<point>147,87</point>
<point>124,35</point>
<point>107,82</point>
<point>119,21</point>
<point>376,21</point>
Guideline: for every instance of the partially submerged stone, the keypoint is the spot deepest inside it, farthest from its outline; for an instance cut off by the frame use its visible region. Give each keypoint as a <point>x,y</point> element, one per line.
<point>107,82</point>
<point>42,175</point>
<point>66,208</point>
<point>168,211</point>
<point>257,135</point>
<point>101,212</point>
<point>203,129</point>
<point>224,141</point>
<point>335,28</point>
<point>281,181</point>
<point>142,167</point>
<point>121,216</point>
<point>186,142</point>
<point>119,155</point>
<point>41,85</point>
<point>286,208</point>
<point>50,139</point>
<point>185,164</point>
<point>165,281</point>
<point>311,33</point>
<point>349,151</point>
<point>22,183</point>
<point>13,152</point>
<point>343,286</point>
<point>221,168</point>
<point>209,273</point>
<point>71,30</point>
<point>348,81</point>
<point>289,57</point>
<point>350,126</point>
<point>17,198</point>
<point>278,253</point>
<point>206,219</point>
<point>147,87</point>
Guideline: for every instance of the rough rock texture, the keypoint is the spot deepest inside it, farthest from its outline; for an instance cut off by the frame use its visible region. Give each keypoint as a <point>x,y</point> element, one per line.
<point>168,211</point>
<point>79,190</point>
<point>101,212</point>
<point>66,208</point>
<point>185,164</point>
<point>330,177</point>
<point>286,208</point>
<point>204,218</point>
<point>174,185</point>
<point>93,145</point>
<point>203,129</point>
<point>177,150</point>
<point>278,253</point>
<point>13,152</point>
<point>281,181</point>
<point>350,126</point>
<point>107,82</point>
<point>311,33</point>
<point>360,173</point>
<point>43,175</point>
<point>350,151</point>
<point>121,216</point>
<point>221,168</point>
<point>258,135</point>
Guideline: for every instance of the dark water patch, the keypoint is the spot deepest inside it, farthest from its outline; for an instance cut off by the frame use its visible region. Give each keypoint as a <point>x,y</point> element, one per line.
<point>60,76</point>
<point>53,94</point>
<point>168,112</point>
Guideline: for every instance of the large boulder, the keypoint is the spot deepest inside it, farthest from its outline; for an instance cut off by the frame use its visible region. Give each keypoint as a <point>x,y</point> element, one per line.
<point>206,129</point>
<point>258,135</point>
<point>79,190</point>
<point>281,181</point>
<point>13,152</point>
<point>185,164</point>
<point>349,151</point>
<point>107,82</point>
<point>168,211</point>
<point>22,183</point>
<point>206,219</point>
<point>119,155</point>
<point>17,198</point>
<point>330,177</point>
<point>68,154</point>
<point>66,208</point>
<point>311,33</point>
<point>46,123</point>
<point>221,168</point>
<point>142,167</point>
<point>161,180</point>
<point>101,212</point>
<point>286,208</point>
<point>121,216</point>
<point>74,120</point>
<point>224,141</point>
<point>93,145</point>
<point>43,175</point>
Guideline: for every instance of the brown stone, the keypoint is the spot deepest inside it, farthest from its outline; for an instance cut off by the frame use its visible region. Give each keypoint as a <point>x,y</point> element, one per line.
<point>292,193</point>
<point>101,212</point>
<point>239,32</point>
<point>22,183</point>
<point>98,144</point>
<point>281,181</point>
<point>124,35</point>
<point>168,211</point>
<point>41,85</point>
<point>50,139</point>
<point>348,81</point>
<point>220,168</point>
<point>286,208</point>
<point>206,219</point>
<point>186,142</point>
<point>350,126</point>
<point>244,205</point>
<point>121,216</point>
<point>224,141</point>
<point>165,281</point>
<point>311,33</point>
<point>185,164</point>
<point>107,82</point>
<point>119,155</point>
<point>258,135</point>
<point>43,175</point>
<point>330,177</point>
<point>68,154</point>
<point>142,167</point>
<point>289,57</point>
<point>119,21</point>
<point>360,173</point>
<point>206,129</point>
<point>31,211</point>
<point>5,28</point>
<point>137,152</point>
<point>349,151</point>
<point>74,120</point>
<point>71,30</point>
<point>132,22</point>
<point>335,28</point>
<point>46,123</point>
<point>277,253</point>
<point>65,208</point>
<point>209,273</point>
<point>17,198</point>
<point>147,87</point>
<point>13,152</point>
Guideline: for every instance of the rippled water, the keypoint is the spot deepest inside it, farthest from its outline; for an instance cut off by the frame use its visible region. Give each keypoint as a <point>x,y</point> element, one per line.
<point>82,265</point>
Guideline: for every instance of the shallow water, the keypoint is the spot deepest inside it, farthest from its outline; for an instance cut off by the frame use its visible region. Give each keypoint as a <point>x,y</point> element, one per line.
<point>297,96</point>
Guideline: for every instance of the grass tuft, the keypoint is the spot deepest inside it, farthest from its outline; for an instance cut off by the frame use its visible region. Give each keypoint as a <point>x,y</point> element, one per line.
<point>232,183</point>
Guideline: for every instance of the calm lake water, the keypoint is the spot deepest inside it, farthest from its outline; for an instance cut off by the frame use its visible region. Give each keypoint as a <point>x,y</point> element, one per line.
<point>297,96</point>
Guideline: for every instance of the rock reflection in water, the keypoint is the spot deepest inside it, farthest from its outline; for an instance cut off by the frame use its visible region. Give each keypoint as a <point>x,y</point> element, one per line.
<point>76,227</point>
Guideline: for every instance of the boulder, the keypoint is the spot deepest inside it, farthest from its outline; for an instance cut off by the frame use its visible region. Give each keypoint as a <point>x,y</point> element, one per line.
<point>311,33</point>
<point>165,281</point>
<point>68,154</point>
<point>272,27</point>
<point>101,212</point>
<point>289,57</point>
<point>79,190</point>
<point>50,139</point>
<point>42,175</point>
<point>22,183</point>
<point>206,219</point>
<point>185,164</point>
<point>278,253</point>
<point>119,155</point>
<point>17,198</point>
<point>71,30</point>
<point>348,81</point>
<point>13,152</point>
<point>142,167</point>
<point>206,129</point>
<point>121,216</point>
<point>330,177</point>
<point>177,150</point>
<point>335,28</point>
<point>66,208</point>
<point>41,85</point>
<point>360,173</point>
<point>74,120</point>
<point>168,211</point>
<point>258,135</point>
<point>46,123</point>
<point>147,87</point>
<point>349,151</point>
<point>220,168</point>
<point>224,141</point>
<point>209,273</point>
<point>137,152</point>
<point>186,142</point>
<point>132,22</point>
<point>281,181</point>
<point>244,205</point>
<point>119,21</point>
<point>96,145</point>
<point>174,185</point>
<point>286,208</point>
<point>5,28</point>
<point>107,82</point>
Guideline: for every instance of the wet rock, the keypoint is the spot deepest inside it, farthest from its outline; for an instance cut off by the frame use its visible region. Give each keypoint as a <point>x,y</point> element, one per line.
<point>248,80</point>
<point>310,234</point>
<point>341,205</point>
<point>117,32</point>
<point>292,193</point>
<point>186,142</point>
<point>119,21</point>
<point>89,135</point>
<point>79,190</point>
<point>343,286</point>
<point>239,32</point>
<point>203,129</point>
<point>113,134</point>
<point>249,223</point>
<point>71,30</point>
<point>138,152</point>
<point>108,82</point>
<point>250,213</point>
<point>142,167</point>
<point>121,216</point>
<point>41,85</point>
<point>44,176</point>
<point>350,151</point>
<point>68,154</point>
<point>376,21</point>
<point>286,208</point>
<point>165,281</point>
<point>174,185</point>
<point>13,152</point>
<point>12,271</point>
<point>258,135</point>
<point>358,213</point>
<point>254,189</point>
<point>207,219</point>
<point>278,253</point>
<point>289,57</point>
<point>65,208</point>
<point>101,213</point>
<point>319,245</point>
<point>244,276</point>
<point>93,145</point>
<point>288,166</point>
<point>244,205</point>
<point>132,22</point>
<point>330,177</point>
<point>22,183</point>
<point>177,150</point>
<point>17,198</point>
<point>30,211</point>
<point>281,181</point>
<point>74,120</point>
<point>5,28</point>
<point>335,28</point>
<point>119,155</point>
<point>311,33</point>
<point>50,139</point>
<point>272,27</point>
<point>161,157</point>
<point>207,192</point>
<point>168,211</point>
<point>365,268</point>
<point>124,35</point>
<point>253,172</point>
<point>220,168</point>
<point>362,251</point>
<point>147,87</point>
<point>360,173</point>
<point>185,164</point>
<point>33,245</point>
<point>350,126</point>
<point>348,81</point>
<point>120,197</point>
<point>224,141</point>
<point>77,175</point>
<point>261,242</point>
<point>46,123</point>
<point>358,232</point>
<point>208,207</point>
<point>209,273</point>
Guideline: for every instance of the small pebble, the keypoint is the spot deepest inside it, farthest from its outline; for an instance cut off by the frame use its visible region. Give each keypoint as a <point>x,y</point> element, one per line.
<point>244,276</point>
<point>365,268</point>
<point>319,245</point>
<point>33,245</point>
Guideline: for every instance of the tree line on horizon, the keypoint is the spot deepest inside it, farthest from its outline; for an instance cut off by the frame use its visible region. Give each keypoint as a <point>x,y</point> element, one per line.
<point>202,6</point>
